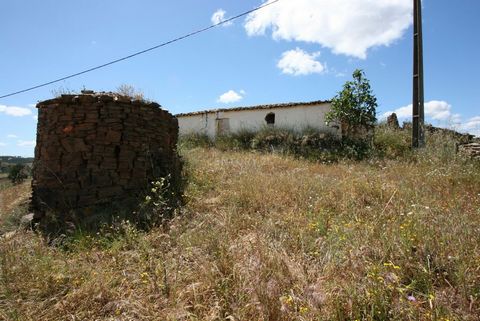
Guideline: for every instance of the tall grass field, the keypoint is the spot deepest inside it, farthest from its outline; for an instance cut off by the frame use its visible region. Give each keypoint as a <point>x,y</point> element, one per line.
<point>273,236</point>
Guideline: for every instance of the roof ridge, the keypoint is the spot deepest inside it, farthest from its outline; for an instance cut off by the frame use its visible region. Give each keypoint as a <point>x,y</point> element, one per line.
<point>265,106</point>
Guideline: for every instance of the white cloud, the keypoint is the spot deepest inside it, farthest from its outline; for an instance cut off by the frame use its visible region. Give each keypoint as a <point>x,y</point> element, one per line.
<point>472,123</point>
<point>26,143</point>
<point>298,62</point>
<point>12,136</point>
<point>435,109</point>
<point>440,111</point>
<point>348,27</point>
<point>15,111</point>
<point>472,126</point>
<point>231,96</point>
<point>2,144</point>
<point>219,16</point>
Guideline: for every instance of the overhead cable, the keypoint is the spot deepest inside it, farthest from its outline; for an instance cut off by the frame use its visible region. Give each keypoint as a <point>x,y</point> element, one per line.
<point>141,52</point>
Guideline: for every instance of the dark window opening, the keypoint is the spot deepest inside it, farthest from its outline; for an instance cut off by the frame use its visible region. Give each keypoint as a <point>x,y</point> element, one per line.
<point>270,119</point>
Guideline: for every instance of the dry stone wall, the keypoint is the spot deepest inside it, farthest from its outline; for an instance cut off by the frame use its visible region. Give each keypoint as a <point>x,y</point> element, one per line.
<point>99,148</point>
<point>471,150</point>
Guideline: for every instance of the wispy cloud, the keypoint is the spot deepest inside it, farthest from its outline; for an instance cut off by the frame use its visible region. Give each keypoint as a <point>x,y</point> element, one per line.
<point>2,144</point>
<point>471,125</point>
<point>219,16</point>
<point>15,111</point>
<point>26,143</point>
<point>12,136</point>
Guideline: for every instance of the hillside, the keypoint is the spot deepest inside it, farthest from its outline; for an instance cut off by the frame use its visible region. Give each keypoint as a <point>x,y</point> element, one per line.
<point>16,159</point>
<point>269,237</point>
<point>7,161</point>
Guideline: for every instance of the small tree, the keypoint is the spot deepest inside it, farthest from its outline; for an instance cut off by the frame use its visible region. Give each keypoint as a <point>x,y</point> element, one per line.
<point>355,106</point>
<point>17,173</point>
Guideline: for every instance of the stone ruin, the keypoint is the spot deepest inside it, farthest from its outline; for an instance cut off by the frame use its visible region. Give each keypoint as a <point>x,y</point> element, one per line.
<point>392,121</point>
<point>470,150</point>
<point>99,149</point>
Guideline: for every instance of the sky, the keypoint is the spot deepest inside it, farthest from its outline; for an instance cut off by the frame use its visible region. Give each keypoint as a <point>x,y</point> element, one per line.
<point>290,51</point>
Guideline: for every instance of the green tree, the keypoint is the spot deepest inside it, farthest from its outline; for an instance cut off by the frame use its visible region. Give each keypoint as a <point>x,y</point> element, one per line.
<point>355,106</point>
<point>17,173</point>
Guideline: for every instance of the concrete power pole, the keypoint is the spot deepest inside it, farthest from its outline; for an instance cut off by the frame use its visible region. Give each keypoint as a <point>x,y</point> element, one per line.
<point>418,121</point>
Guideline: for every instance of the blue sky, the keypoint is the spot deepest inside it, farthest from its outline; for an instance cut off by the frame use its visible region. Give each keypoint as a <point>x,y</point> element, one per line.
<point>294,50</point>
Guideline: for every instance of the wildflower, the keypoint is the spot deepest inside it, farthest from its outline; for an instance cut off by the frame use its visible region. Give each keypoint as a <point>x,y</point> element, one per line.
<point>288,300</point>
<point>411,298</point>
<point>312,226</point>
<point>148,198</point>
<point>144,277</point>
<point>303,310</point>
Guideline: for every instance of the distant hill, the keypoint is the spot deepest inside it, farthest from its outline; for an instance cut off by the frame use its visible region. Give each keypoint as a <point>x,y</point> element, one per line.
<point>7,161</point>
<point>16,159</point>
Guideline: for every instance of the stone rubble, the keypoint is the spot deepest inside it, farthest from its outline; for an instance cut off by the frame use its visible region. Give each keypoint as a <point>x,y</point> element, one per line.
<point>472,150</point>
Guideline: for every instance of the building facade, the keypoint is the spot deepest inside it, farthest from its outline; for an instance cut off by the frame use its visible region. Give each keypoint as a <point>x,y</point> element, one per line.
<point>296,116</point>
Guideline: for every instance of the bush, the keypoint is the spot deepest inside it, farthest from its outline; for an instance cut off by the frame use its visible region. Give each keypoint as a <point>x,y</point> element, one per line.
<point>195,140</point>
<point>275,140</point>
<point>18,173</point>
<point>239,140</point>
<point>391,143</point>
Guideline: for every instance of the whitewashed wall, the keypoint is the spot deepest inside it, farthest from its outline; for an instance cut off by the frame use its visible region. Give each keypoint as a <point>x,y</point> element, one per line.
<point>296,117</point>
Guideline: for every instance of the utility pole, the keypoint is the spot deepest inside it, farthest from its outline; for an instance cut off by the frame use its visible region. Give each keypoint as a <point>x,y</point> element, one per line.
<point>418,121</point>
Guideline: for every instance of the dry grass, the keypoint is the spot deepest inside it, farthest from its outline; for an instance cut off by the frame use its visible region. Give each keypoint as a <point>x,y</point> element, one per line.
<point>12,195</point>
<point>264,237</point>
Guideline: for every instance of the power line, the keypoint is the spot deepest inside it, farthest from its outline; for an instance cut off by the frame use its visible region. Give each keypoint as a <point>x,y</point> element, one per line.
<point>142,51</point>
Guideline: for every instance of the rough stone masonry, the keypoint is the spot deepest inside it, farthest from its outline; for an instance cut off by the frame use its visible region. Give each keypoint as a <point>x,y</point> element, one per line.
<point>99,148</point>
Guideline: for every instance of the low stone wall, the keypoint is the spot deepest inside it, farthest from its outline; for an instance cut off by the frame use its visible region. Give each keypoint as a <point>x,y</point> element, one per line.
<point>471,150</point>
<point>99,148</point>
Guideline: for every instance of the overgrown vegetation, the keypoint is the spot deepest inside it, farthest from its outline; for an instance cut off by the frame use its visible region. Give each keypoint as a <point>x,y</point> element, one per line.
<point>130,91</point>
<point>317,146</point>
<point>308,143</point>
<point>265,236</point>
<point>152,207</point>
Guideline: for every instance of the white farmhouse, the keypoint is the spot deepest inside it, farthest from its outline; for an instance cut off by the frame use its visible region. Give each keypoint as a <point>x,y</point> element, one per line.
<point>295,116</point>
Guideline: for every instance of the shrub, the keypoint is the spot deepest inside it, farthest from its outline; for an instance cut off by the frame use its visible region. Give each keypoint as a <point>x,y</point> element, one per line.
<point>275,140</point>
<point>192,140</point>
<point>18,173</point>
<point>130,91</point>
<point>391,143</point>
<point>238,140</point>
